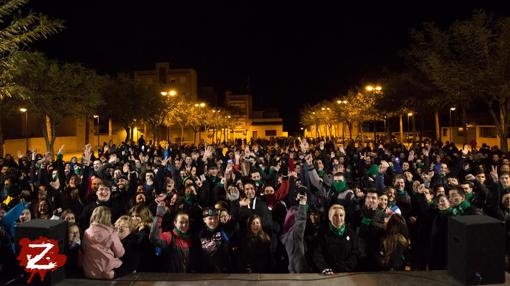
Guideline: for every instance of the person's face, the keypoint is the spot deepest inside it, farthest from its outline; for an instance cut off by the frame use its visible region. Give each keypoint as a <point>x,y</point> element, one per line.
<point>140,199</point>
<point>506,201</point>
<point>136,219</point>
<point>505,180</point>
<point>4,170</point>
<point>177,164</point>
<point>440,191</point>
<point>268,190</point>
<point>504,168</point>
<point>193,171</point>
<point>224,217</point>
<point>371,200</point>
<point>444,169</point>
<point>255,176</point>
<point>188,160</point>
<point>70,218</point>
<point>255,225</point>
<point>72,182</point>
<point>117,174</point>
<point>138,164</point>
<point>43,207</point>
<point>149,177</point>
<point>213,172</point>
<point>315,217</point>
<point>122,229</point>
<point>122,183</point>
<point>467,188</point>
<point>95,183</point>
<point>25,216</point>
<point>455,198</point>
<point>97,165</point>
<point>383,202</point>
<point>391,195</point>
<point>182,223</point>
<point>337,218</point>
<point>103,194</point>
<point>481,178</point>
<point>405,166</point>
<point>74,160</point>
<point>443,203</point>
<point>399,184</point>
<point>211,221</point>
<point>320,165</point>
<point>74,234</point>
<point>495,158</point>
<point>249,190</point>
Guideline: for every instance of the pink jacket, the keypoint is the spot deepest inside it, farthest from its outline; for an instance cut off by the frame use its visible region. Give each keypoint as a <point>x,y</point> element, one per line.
<point>101,251</point>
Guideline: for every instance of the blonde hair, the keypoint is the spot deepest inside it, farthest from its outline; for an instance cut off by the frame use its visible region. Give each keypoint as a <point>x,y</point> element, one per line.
<point>101,215</point>
<point>333,209</point>
<point>129,222</point>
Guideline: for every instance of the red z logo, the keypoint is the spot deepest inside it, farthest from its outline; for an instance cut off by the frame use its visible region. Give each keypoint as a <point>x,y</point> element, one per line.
<point>39,256</point>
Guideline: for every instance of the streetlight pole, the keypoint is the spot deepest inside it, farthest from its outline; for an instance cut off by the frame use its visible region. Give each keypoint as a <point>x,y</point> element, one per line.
<point>451,127</point>
<point>409,115</point>
<point>97,116</point>
<point>24,110</point>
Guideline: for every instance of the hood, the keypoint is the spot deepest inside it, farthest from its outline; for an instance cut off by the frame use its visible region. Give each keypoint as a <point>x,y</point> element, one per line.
<point>99,233</point>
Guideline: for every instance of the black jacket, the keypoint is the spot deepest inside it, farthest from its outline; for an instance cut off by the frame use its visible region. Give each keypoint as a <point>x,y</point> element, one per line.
<point>339,253</point>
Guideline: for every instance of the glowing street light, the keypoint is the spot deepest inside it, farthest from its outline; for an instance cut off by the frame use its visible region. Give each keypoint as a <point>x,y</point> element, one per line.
<point>97,116</point>
<point>202,104</point>
<point>369,88</point>
<point>172,93</point>
<point>24,110</point>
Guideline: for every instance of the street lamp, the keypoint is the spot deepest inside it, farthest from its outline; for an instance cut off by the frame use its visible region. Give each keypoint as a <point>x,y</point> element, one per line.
<point>409,115</point>
<point>97,116</point>
<point>451,128</point>
<point>24,110</point>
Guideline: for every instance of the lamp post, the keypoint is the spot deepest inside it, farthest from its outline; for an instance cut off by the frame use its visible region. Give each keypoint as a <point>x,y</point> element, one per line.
<point>97,117</point>
<point>24,110</point>
<point>170,93</point>
<point>375,90</point>
<point>409,115</point>
<point>344,102</point>
<point>451,127</point>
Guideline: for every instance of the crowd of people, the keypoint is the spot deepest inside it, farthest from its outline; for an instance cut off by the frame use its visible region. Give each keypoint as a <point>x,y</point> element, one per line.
<point>279,206</point>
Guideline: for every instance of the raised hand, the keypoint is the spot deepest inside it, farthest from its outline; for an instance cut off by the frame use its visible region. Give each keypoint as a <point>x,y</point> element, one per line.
<point>494,174</point>
<point>425,152</point>
<point>244,202</point>
<point>304,146</point>
<point>61,149</point>
<point>20,156</point>
<point>411,156</point>
<point>465,150</point>
<point>113,159</point>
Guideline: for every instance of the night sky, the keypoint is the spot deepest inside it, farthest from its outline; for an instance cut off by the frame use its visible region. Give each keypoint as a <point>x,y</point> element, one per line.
<point>290,54</point>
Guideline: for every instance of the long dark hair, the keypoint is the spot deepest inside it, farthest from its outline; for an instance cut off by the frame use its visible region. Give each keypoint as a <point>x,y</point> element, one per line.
<point>396,233</point>
<point>261,234</point>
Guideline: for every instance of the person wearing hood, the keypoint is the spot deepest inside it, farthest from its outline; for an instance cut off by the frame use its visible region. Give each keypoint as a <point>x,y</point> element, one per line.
<point>101,246</point>
<point>293,237</point>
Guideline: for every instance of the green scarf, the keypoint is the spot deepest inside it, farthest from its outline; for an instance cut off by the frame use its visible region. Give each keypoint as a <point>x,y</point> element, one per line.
<point>190,199</point>
<point>338,231</point>
<point>461,208</point>
<point>181,234</point>
<point>321,173</point>
<point>470,197</point>
<point>339,186</point>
